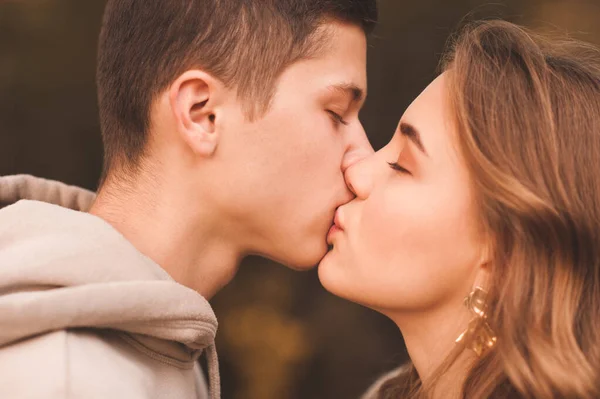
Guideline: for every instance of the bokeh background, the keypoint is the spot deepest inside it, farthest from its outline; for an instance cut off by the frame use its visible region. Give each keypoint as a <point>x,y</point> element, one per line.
<point>281,335</point>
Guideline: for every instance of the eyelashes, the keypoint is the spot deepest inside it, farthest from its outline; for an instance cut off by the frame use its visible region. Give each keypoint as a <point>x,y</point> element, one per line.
<point>337,118</point>
<point>398,168</point>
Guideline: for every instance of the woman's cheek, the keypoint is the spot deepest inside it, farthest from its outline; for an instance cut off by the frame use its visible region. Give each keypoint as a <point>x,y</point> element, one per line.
<point>382,224</point>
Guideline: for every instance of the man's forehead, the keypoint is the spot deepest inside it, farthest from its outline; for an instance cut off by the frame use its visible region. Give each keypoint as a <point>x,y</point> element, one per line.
<point>339,68</point>
<point>345,62</point>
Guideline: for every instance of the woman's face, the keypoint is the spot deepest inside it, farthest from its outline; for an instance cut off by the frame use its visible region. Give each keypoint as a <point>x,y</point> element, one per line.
<point>410,240</point>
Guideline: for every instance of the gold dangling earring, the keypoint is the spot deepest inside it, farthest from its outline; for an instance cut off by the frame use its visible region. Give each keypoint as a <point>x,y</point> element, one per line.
<point>479,336</point>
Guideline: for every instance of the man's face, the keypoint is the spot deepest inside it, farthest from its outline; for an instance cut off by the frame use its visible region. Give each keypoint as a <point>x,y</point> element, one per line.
<point>283,174</point>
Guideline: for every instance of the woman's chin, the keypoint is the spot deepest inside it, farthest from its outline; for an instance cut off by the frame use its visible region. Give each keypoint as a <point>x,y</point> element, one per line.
<point>337,277</point>
<point>332,274</point>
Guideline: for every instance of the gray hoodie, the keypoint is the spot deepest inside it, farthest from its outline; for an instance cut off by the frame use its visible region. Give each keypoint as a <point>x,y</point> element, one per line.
<point>83,314</point>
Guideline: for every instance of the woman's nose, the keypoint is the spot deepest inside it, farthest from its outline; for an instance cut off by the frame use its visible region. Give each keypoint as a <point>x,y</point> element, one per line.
<point>359,177</point>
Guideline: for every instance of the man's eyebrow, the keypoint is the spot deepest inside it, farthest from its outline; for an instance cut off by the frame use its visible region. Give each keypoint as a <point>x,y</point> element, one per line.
<point>410,132</point>
<point>355,93</point>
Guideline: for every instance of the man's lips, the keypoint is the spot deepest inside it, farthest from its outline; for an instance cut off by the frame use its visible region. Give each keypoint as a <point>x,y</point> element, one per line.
<point>337,220</point>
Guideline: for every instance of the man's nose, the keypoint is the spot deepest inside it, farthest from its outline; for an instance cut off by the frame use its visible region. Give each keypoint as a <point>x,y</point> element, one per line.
<point>358,148</point>
<point>359,177</point>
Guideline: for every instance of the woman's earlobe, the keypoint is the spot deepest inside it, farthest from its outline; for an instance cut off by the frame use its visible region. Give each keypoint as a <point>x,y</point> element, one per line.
<point>483,275</point>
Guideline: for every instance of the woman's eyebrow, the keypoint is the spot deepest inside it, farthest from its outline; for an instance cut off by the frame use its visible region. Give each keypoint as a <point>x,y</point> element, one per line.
<point>410,132</point>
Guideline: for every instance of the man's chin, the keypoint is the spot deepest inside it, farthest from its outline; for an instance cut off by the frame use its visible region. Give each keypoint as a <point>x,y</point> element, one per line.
<point>302,268</point>
<point>305,255</point>
<point>299,265</point>
<point>301,260</point>
<point>309,258</point>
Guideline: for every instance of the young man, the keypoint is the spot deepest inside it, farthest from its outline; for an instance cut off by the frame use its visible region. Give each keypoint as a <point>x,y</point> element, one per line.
<point>227,129</point>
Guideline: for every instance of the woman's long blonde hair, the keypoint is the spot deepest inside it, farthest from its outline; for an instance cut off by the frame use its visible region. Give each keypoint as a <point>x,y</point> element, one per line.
<point>527,112</point>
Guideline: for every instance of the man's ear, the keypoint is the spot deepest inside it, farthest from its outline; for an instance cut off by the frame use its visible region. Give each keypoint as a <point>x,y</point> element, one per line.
<point>193,99</point>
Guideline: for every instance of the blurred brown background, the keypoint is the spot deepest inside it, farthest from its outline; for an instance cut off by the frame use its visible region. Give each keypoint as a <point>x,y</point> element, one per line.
<point>281,335</point>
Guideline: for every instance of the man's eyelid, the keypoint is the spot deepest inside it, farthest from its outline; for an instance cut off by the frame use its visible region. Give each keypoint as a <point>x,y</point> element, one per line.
<point>343,115</point>
<point>343,103</point>
<point>338,117</point>
<point>340,107</point>
<point>347,109</point>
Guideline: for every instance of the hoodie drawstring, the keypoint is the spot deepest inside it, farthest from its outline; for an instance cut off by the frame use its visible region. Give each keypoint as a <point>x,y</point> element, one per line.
<point>214,381</point>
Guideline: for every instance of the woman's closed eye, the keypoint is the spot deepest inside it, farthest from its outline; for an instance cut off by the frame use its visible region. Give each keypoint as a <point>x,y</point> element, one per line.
<point>397,167</point>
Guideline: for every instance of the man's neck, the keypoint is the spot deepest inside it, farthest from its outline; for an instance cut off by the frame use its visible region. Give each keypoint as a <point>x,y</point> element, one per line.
<point>173,230</point>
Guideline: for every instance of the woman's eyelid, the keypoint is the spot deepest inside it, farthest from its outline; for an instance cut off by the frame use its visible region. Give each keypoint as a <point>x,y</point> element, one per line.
<point>397,167</point>
<point>402,159</point>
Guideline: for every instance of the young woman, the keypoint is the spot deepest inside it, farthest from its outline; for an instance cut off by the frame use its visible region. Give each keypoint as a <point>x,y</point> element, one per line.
<point>477,228</point>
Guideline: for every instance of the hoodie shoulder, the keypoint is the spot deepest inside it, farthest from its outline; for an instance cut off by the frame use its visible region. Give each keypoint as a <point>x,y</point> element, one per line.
<point>73,364</point>
<point>26,187</point>
<point>34,368</point>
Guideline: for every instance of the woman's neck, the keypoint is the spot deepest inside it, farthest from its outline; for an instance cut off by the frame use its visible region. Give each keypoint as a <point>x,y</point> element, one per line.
<point>430,341</point>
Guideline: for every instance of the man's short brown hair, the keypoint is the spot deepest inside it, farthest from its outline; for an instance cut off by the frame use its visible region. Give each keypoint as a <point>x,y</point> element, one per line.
<point>146,44</point>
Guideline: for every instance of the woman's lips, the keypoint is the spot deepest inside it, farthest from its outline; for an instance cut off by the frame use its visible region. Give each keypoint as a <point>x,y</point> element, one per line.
<point>336,227</point>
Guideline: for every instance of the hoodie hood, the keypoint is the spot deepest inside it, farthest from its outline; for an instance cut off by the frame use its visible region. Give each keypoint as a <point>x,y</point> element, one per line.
<point>63,268</point>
